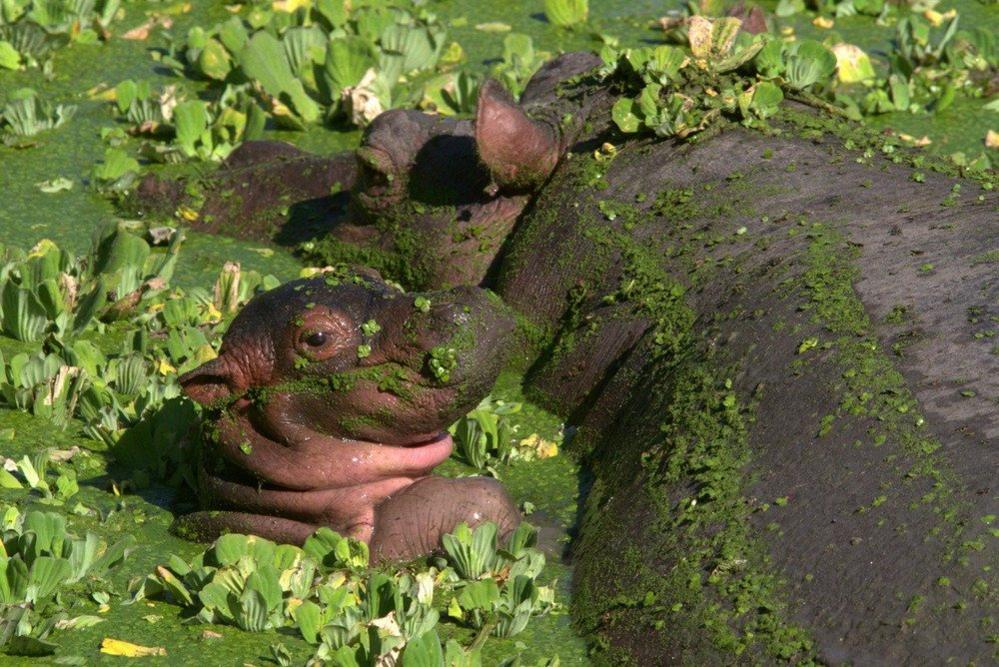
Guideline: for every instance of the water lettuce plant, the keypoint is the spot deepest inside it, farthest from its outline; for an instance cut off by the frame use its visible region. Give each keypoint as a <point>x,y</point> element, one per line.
<point>722,72</point>
<point>30,30</point>
<point>566,13</point>
<point>187,128</point>
<point>484,435</point>
<point>47,291</point>
<point>39,562</point>
<point>25,115</point>
<point>123,387</point>
<point>351,613</point>
<point>306,62</point>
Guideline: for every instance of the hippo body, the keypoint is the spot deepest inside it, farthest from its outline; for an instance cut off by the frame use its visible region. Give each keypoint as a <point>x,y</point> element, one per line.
<point>775,348</point>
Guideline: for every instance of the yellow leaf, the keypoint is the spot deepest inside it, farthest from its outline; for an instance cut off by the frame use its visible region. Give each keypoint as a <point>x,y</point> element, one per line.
<point>853,64</point>
<point>212,314</point>
<point>934,17</point>
<point>42,248</point>
<point>543,449</point>
<point>187,213</point>
<point>823,22</point>
<point>992,139</point>
<point>205,353</point>
<point>128,649</point>
<point>164,367</point>
<point>290,5</point>
<point>920,141</point>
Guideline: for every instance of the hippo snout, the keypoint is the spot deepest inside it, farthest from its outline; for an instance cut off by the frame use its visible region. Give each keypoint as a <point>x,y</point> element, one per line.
<point>215,382</point>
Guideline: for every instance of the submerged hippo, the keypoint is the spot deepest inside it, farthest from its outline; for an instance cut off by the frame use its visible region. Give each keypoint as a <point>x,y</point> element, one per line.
<point>331,397</point>
<point>777,348</point>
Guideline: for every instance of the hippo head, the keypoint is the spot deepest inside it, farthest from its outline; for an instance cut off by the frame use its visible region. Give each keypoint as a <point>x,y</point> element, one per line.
<point>431,186</point>
<point>340,384</point>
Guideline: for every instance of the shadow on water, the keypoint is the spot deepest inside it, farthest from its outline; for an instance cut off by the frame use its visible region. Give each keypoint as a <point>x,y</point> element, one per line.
<point>311,219</point>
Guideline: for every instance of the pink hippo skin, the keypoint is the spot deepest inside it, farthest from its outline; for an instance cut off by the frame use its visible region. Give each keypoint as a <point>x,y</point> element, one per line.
<point>328,403</point>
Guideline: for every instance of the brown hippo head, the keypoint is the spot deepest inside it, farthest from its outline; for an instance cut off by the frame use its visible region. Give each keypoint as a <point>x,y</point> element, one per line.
<point>431,187</point>
<point>332,393</point>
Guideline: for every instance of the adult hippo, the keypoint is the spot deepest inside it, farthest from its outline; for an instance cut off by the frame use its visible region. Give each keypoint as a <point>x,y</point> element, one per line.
<point>777,347</point>
<point>330,398</point>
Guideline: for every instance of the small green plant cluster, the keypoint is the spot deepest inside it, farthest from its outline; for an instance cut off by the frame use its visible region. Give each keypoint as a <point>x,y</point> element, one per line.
<point>32,472</point>
<point>319,60</point>
<point>25,114</point>
<point>356,615</point>
<point>47,291</point>
<point>716,70</point>
<point>39,563</point>
<point>484,436</point>
<point>326,62</point>
<point>187,128</point>
<point>31,30</point>
<point>567,13</point>
<point>931,64</point>
<point>682,90</point>
<point>111,338</point>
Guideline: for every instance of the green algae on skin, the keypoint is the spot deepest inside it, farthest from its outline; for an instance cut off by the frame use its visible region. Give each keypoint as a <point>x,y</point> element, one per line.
<point>875,388</point>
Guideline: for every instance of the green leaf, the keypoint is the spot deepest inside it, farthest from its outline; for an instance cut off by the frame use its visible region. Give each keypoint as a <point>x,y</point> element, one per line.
<point>809,62</point>
<point>125,93</point>
<point>423,651</point>
<point>301,102</point>
<point>23,316</point>
<point>228,549</point>
<point>119,251</point>
<point>213,61</point>
<point>13,580</point>
<point>479,594</point>
<point>625,114</point>
<point>233,34</point>
<point>45,576</point>
<point>566,13</point>
<point>263,59</point>
<point>265,581</point>
<point>766,99</point>
<point>770,59</point>
<point>347,60</point>
<point>252,615</point>
<point>334,11</point>
<point>191,120</point>
<point>8,481</point>
<point>308,616</point>
<point>9,57</point>
<point>116,164</point>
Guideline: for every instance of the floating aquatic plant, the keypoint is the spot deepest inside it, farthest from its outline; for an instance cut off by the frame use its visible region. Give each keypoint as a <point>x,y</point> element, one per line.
<point>39,558</point>
<point>25,115</point>
<point>354,614</point>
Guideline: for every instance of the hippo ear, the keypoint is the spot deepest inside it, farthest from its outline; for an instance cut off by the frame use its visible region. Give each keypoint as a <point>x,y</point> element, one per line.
<point>520,152</point>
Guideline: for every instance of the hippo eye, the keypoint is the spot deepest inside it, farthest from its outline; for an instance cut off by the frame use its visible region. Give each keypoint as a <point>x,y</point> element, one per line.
<point>316,339</point>
<point>321,333</point>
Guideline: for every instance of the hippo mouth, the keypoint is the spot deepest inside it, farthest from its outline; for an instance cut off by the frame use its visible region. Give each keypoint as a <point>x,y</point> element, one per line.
<point>255,466</point>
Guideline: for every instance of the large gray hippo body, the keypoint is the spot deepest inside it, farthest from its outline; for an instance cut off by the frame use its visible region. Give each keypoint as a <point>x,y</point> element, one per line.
<point>778,351</point>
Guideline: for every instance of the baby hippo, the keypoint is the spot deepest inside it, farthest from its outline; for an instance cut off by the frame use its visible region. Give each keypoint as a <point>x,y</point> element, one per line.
<point>328,404</point>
